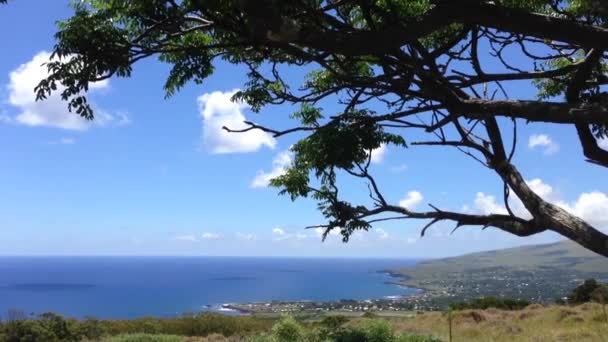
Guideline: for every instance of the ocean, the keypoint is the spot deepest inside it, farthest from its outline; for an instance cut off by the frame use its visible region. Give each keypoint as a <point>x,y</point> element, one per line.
<point>129,287</point>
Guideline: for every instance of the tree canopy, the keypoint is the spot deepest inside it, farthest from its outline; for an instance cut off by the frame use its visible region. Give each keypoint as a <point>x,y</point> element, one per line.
<point>420,61</point>
<point>589,290</point>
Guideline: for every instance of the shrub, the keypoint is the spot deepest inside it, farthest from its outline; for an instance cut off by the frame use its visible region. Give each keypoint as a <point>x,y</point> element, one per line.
<point>333,323</point>
<point>92,329</point>
<point>47,328</point>
<point>288,330</point>
<point>368,331</point>
<point>586,292</point>
<point>379,330</point>
<point>330,327</point>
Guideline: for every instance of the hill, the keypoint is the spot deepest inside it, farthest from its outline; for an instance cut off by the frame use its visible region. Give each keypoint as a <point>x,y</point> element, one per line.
<point>540,272</point>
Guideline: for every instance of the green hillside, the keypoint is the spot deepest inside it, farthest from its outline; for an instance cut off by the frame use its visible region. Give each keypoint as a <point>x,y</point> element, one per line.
<point>539,272</point>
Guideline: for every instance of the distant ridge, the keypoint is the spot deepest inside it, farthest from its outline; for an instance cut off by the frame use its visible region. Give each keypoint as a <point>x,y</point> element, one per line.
<point>537,272</point>
<point>563,255</point>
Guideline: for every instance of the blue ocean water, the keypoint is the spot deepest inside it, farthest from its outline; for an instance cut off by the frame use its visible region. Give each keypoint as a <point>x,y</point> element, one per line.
<point>127,287</point>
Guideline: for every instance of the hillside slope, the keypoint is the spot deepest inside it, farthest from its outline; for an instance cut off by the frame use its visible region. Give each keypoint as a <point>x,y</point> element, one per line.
<point>539,272</point>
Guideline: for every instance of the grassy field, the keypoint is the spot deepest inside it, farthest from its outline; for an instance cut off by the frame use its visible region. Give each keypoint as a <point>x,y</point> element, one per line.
<point>535,323</point>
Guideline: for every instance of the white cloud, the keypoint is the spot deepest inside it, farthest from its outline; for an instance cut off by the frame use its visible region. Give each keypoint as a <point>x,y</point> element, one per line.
<point>218,110</point>
<point>186,238</point>
<point>542,189</point>
<point>411,240</point>
<point>319,232</point>
<point>603,143</point>
<point>590,206</point>
<point>412,199</point>
<point>211,236</point>
<point>382,234</point>
<point>279,234</point>
<point>52,112</point>
<point>377,154</point>
<point>334,232</point>
<point>280,163</point>
<point>486,204</point>
<point>543,142</point>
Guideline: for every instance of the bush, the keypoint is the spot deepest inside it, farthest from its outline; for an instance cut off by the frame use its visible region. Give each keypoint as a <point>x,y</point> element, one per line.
<point>333,323</point>
<point>330,327</point>
<point>589,290</point>
<point>93,329</point>
<point>379,330</point>
<point>47,328</point>
<point>288,330</point>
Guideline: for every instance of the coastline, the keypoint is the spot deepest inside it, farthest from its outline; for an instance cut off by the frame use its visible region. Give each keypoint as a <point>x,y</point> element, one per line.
<point>419,299</point>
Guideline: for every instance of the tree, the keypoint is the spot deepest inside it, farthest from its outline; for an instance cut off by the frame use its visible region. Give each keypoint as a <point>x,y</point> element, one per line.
<point>394,66</point>
<point>589,290</point>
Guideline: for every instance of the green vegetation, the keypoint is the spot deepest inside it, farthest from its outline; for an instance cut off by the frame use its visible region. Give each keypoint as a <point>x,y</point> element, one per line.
<point>53,328</point>
<point>589,290</point>
<point>585,322</point>
<point>367,330</point>
<point>539,273</point>
<point>49,327</point>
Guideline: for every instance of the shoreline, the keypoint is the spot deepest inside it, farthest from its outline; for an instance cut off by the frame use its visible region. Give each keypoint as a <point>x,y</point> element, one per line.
<point>402,279</point>
<point>419,299</point>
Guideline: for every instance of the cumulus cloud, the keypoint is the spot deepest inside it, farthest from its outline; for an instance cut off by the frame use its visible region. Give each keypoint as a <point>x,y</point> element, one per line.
<point>378,154</point>
<point>280,163</point>
<point>486,204</point>
<point>542,189</point>
<point>412,199</point>
<point>218,110</point>
<point>211,236</point>
<point>590,206</point>
<point>333,232</point>
<point>543,142</point>
<point>52,112</point>
<point>279,234</point>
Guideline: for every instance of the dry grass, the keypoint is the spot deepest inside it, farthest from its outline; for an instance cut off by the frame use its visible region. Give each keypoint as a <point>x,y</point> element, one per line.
<point>533,324</point>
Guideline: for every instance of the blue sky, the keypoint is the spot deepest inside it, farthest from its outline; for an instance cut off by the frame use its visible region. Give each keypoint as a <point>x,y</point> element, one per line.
<point>156,177</point>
